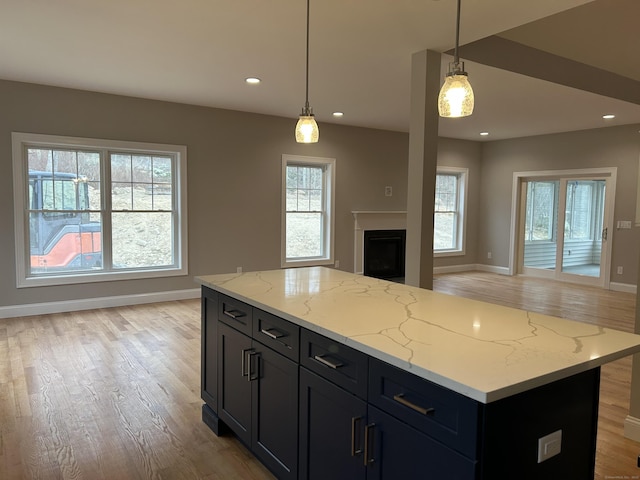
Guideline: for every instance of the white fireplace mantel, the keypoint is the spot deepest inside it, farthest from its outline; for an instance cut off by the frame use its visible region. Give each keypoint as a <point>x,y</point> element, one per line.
<point>373,220</point>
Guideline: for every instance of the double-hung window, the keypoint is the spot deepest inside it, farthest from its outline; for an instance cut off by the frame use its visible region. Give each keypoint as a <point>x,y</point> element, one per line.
<point>449,212</point>
<point>89,210</point>
<point>307,218</point>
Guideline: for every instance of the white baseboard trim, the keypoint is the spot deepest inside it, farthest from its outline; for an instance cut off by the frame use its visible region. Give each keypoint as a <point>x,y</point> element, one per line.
<point>454,269</point>
<point>100,302</point>
<point>473,267</point>
<point>492,269</point>
<point>623,287</point>
<point>632,428</point>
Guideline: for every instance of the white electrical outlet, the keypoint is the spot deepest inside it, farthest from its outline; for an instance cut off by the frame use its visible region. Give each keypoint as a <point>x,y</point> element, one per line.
<point>388,191</point>
<point>549,446</point>
<point>620,270</point>
<point>337,264</point>
<point>489,255</point>
<point>238,269</point>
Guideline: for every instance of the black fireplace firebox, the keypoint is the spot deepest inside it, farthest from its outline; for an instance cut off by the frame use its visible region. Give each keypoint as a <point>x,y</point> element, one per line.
<point>384,253</point>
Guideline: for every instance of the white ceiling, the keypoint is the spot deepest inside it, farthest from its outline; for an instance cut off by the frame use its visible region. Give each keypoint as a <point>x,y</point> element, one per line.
<point>199,52</point>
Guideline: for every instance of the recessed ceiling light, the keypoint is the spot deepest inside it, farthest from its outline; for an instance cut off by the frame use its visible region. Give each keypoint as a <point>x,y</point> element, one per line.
<point>338,114</point>
<point>484,134</point>
<point>608,116</point>
<point>252,80</point>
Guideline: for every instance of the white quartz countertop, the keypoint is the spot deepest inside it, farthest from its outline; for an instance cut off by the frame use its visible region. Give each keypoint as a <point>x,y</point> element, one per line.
<point>483,351</point>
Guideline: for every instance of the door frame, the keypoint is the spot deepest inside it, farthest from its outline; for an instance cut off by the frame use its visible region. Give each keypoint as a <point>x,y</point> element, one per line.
<point>517,212</point>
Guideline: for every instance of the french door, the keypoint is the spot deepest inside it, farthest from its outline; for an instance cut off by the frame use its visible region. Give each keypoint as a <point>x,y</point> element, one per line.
<point>564,226</point>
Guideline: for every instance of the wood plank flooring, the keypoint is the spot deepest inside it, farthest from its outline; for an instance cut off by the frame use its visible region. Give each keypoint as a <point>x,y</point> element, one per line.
<point>115,393</point>
<point>110,394</point>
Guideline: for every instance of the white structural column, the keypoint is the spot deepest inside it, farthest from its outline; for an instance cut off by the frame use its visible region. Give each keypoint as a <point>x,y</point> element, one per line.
<point>423,154</point>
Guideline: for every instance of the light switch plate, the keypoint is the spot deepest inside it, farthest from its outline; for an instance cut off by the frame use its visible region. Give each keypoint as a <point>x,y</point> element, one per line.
<point>549,446</point>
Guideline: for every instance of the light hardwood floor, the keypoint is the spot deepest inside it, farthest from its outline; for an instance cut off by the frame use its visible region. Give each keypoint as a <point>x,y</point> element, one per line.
<point>110,394</point>
<point>115,393</point>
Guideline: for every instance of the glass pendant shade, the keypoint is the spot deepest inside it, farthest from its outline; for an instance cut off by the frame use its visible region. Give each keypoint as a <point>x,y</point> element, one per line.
<point>307,130</point>
<point>456,96</point>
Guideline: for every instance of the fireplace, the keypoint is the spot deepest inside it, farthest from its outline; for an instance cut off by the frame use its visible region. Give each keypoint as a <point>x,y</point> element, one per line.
<point>384,253</point>
<point>368,220</point>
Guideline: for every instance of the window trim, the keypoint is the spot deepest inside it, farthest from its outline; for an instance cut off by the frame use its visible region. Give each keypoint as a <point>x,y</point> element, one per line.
<point>22,141</point>
<point>461,236</point>
<point>329,199</point>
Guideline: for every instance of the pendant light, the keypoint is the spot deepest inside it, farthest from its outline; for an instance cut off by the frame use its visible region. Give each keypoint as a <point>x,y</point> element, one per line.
<point>456,94</point>
<point>307,129</point>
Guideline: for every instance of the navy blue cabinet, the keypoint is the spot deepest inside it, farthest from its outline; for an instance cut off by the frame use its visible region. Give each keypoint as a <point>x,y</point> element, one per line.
<point>209,342</point>
<point>258,392</point>
<point>311,408</point>
<point>344,436</point>
<point>234,403</point>
<point>395,450</point>
<point>331,425</point>
<point>274,428</point>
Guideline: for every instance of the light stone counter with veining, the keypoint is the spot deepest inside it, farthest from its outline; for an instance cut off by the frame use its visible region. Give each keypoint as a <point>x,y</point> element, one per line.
<point>484,351</point>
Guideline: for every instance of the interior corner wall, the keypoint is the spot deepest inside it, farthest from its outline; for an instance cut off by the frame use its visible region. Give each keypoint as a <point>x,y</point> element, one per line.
<point>233,178</point>
<point>606,147</point>
<point>464,154</point>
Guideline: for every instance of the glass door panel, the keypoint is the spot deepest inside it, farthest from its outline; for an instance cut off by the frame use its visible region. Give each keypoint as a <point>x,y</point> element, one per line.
<point>562,232</point>
<point>583,227</point>
<point>540,229</point>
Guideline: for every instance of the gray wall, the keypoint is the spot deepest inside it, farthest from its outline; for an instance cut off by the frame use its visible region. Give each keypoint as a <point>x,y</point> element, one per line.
<point>234,180</point>
<point>606,147</point>
<point>233,171</point>
<point>464,154</point>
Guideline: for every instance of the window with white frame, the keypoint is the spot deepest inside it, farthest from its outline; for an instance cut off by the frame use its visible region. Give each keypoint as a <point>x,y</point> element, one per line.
<point>89,210</point>
<point>307,210</point>
<point>449,211</point>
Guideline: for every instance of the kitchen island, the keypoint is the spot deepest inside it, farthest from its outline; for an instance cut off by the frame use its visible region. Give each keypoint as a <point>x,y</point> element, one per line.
<point>326,374</point>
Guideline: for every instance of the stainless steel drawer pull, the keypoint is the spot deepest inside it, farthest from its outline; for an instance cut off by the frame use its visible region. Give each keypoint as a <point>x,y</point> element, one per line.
<point>269,333</point>
<point>235,314</point>
<point>424,411</point>
<point>324,361</point>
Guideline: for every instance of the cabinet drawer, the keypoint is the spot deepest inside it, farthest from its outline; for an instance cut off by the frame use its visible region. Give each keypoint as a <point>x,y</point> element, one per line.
<point>277,333</point>
<point>235,313</point>
<point>338,363</point>
<point>439,412</point>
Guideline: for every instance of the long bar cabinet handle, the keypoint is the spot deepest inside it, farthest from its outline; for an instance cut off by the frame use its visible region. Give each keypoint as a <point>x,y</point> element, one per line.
<point>368,448</point>
<point>424,411</point>
<point>328,363</point>
<point>251,375</point>
<point>355,422</point>
<point>244,363</point>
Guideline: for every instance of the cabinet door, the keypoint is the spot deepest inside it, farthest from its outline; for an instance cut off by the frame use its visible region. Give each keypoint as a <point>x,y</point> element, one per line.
<point>209,348</point>
<point>274,431</point>
<point>396,450</point>
<point>331,425</point>
<point>234,387</point>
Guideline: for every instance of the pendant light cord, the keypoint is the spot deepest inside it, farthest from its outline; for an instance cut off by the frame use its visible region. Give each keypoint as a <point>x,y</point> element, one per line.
<point>456,59</point>
<point>306,105</point>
